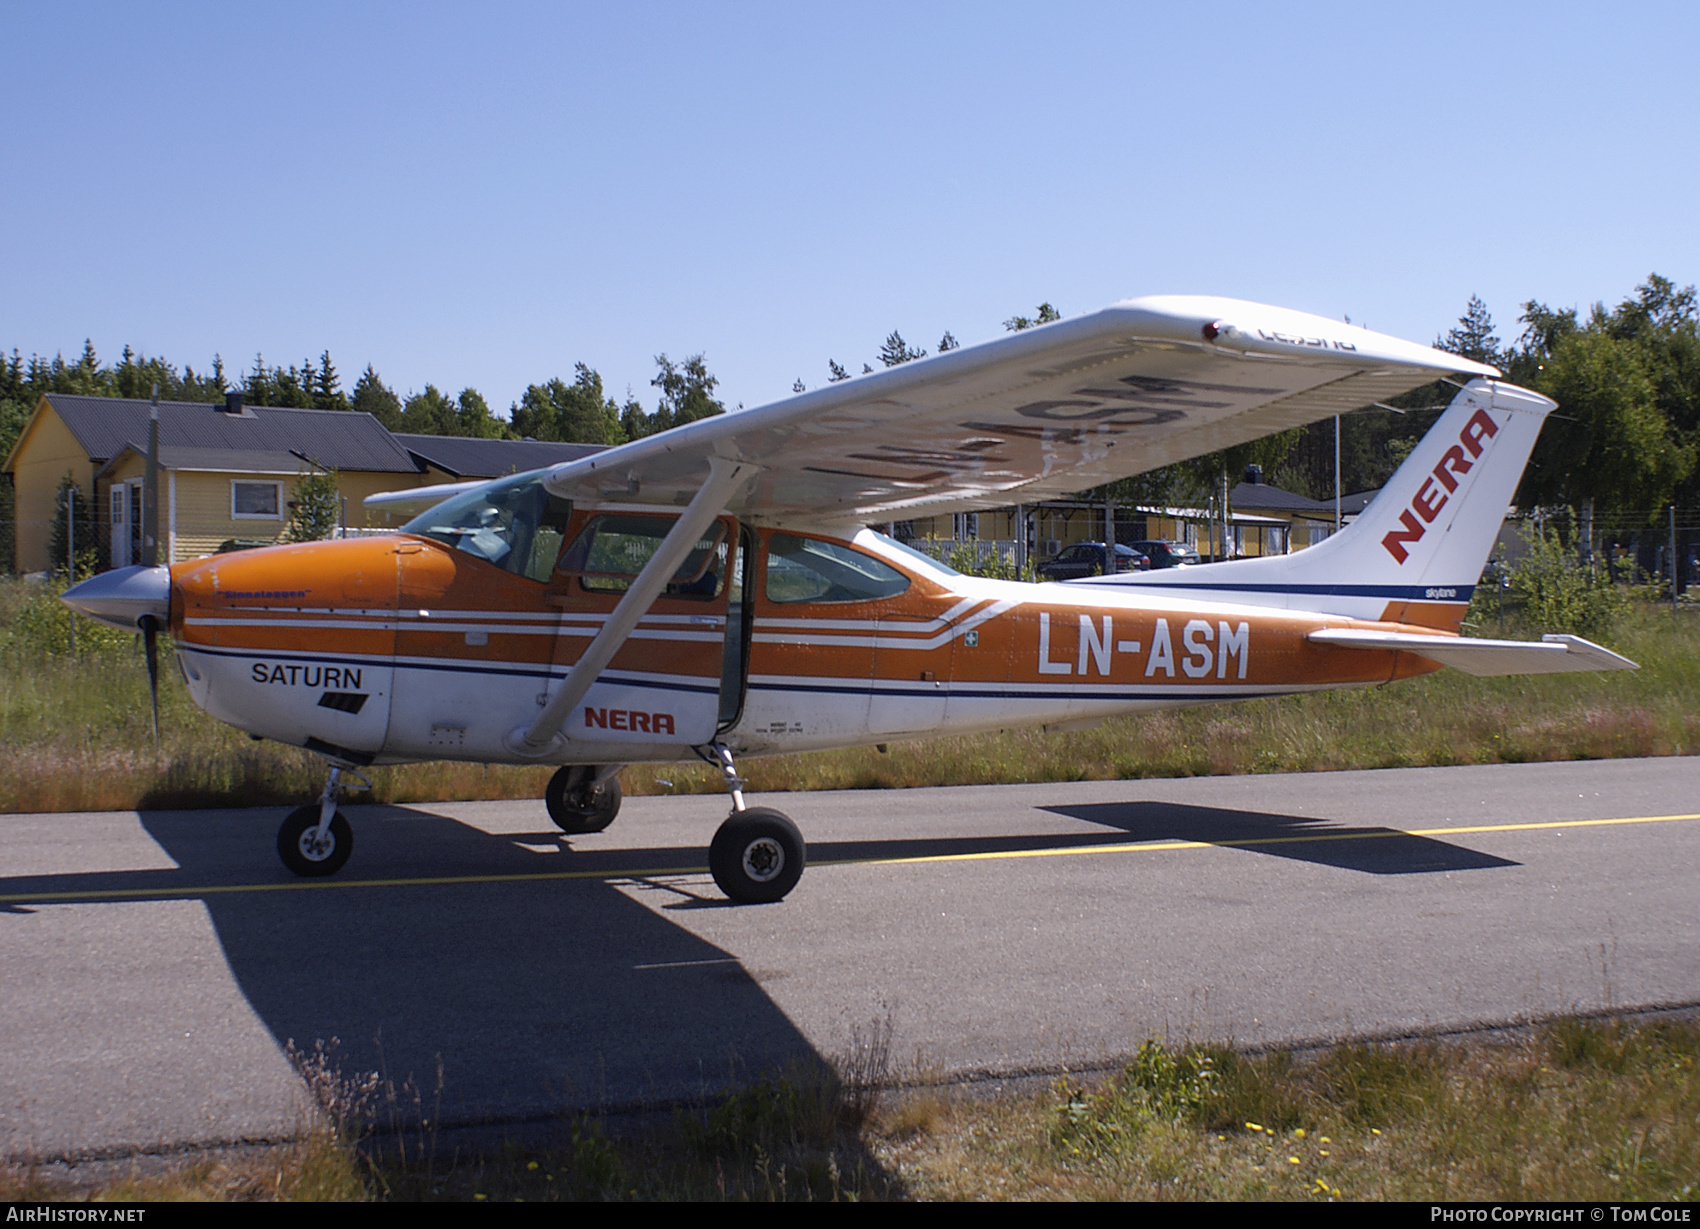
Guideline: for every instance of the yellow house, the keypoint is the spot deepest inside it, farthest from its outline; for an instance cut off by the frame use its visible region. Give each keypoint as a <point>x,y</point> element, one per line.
<point>226,470</point>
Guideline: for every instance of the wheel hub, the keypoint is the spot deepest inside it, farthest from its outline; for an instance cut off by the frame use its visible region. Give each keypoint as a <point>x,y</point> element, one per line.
<point>764,859</point>
<point>315,848</point>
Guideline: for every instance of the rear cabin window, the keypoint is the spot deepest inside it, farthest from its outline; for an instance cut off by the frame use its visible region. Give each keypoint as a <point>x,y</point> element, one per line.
<point>809,570</point>
<point>611,550</point>
<point>514,524</point>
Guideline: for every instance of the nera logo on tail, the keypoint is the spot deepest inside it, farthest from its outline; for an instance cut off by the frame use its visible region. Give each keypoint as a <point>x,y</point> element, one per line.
<point>1430,499</point>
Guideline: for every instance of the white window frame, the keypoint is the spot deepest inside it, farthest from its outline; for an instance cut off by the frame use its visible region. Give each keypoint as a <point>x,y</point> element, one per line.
<point>255,516</point>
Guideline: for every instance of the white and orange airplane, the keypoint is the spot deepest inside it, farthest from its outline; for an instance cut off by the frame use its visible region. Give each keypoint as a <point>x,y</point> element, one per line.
<point>714,591</point>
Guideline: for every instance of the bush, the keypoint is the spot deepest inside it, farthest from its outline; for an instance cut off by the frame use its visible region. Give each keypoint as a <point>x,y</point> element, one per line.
<point>971,559</point>
<point>1556,594</point>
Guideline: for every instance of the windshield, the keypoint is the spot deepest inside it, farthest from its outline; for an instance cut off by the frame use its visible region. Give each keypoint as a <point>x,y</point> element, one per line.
<point>514,524</point>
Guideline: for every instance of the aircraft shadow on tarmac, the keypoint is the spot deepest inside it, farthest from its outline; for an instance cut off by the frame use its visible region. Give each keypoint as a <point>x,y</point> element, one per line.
<point>547,995</point>
<point>1373,850</point>
<point>537,997</point>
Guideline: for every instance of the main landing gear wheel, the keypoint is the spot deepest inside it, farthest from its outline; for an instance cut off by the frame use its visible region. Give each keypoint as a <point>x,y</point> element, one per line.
<point>579,806</point>
<point>756,856</point>
<point>303,854</point>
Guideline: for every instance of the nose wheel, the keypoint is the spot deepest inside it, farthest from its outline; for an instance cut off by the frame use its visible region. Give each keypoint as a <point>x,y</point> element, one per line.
<point>756,856</point>
<point>316,840</point>
<point>309,851</point>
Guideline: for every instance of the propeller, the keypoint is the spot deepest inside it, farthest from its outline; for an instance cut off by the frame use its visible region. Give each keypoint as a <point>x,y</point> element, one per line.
<point>150,646</point>
<point>150,557</point>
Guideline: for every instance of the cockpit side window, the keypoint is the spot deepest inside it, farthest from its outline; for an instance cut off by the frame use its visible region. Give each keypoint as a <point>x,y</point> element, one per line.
<point>611,550</point>
<point>514,524</point>
<point>810,570</point>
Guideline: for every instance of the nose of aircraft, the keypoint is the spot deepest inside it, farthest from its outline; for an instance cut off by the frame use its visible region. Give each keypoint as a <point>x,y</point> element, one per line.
<point>121,597</point>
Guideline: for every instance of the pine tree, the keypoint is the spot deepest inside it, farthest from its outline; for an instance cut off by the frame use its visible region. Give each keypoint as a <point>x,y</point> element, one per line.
<point>1473,336</point>
<point>1043,314</point>
<point>896,350</point>
<point>327,386</point>
<point>372,396</point>
<point>837,373</point>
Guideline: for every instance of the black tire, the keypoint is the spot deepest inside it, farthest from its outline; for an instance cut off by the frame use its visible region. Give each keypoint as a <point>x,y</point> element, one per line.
<point>575,810</point>
<point>757,856</point>
<point>299,856</point>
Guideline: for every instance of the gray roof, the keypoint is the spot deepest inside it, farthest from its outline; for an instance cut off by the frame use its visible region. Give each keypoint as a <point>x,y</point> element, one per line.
<point>215,460</point>
<point>340,439</point>
<point>474,458</point>
<point>1274,499</point>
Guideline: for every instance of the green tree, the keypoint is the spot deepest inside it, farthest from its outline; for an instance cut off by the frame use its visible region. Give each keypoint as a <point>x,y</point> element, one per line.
<point>578,413</point>
<point>86,548</point>
<point>687,392</point>
<point>474,419</point>
<point>372,396</point>
<point>315,507</point>
<point>327,386</point>
<point>1473,337</point>
<point>1613,444</point>
<point>1043,314</point>
<point>430,413</point>
<point>896,350</point>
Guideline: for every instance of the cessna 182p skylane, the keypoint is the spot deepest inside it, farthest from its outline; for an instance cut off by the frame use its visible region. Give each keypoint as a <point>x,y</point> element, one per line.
<point>714,590</point>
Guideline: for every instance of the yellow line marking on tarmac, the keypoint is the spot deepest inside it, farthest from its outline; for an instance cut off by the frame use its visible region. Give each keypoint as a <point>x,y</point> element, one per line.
<point>307,885</point>
<point>1163,846</point>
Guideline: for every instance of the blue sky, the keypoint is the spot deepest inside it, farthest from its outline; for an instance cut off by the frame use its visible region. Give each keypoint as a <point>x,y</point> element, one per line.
<point>485,195</point>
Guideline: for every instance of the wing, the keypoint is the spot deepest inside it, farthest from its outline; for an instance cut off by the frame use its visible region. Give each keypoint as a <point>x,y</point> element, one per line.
<point>1484,658</point>
<point>1035,415</point>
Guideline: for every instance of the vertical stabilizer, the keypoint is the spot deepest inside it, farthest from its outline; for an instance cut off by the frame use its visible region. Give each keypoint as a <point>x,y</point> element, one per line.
<point>1416,552</point>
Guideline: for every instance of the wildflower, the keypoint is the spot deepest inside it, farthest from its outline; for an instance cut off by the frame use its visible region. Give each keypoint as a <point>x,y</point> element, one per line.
<point>1293,1159</point>
<point>1252,1126</point>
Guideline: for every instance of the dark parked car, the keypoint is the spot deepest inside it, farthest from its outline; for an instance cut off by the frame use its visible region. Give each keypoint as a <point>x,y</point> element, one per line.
<point>1168,554</point>
<point>1087,559</point>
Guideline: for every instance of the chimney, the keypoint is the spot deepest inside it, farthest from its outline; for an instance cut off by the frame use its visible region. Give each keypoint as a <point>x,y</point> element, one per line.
<point>1254,474</point>
<point>232,403</point>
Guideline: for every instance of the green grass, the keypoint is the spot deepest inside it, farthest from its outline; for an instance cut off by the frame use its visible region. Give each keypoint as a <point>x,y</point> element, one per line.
<point>1568,1110</point>
<point>75,731</point>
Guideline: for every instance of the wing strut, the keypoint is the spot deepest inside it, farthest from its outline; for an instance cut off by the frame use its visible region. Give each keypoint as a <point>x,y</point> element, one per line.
<point>724,479</point>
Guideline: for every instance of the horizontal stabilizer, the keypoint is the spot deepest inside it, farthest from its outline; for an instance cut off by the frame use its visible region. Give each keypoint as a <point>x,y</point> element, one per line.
<point>421,497</point>
<point>1549,655</point>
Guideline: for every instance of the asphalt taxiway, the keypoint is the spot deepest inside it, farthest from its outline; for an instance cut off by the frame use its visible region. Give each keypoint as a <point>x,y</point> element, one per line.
<point>157,966</point>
